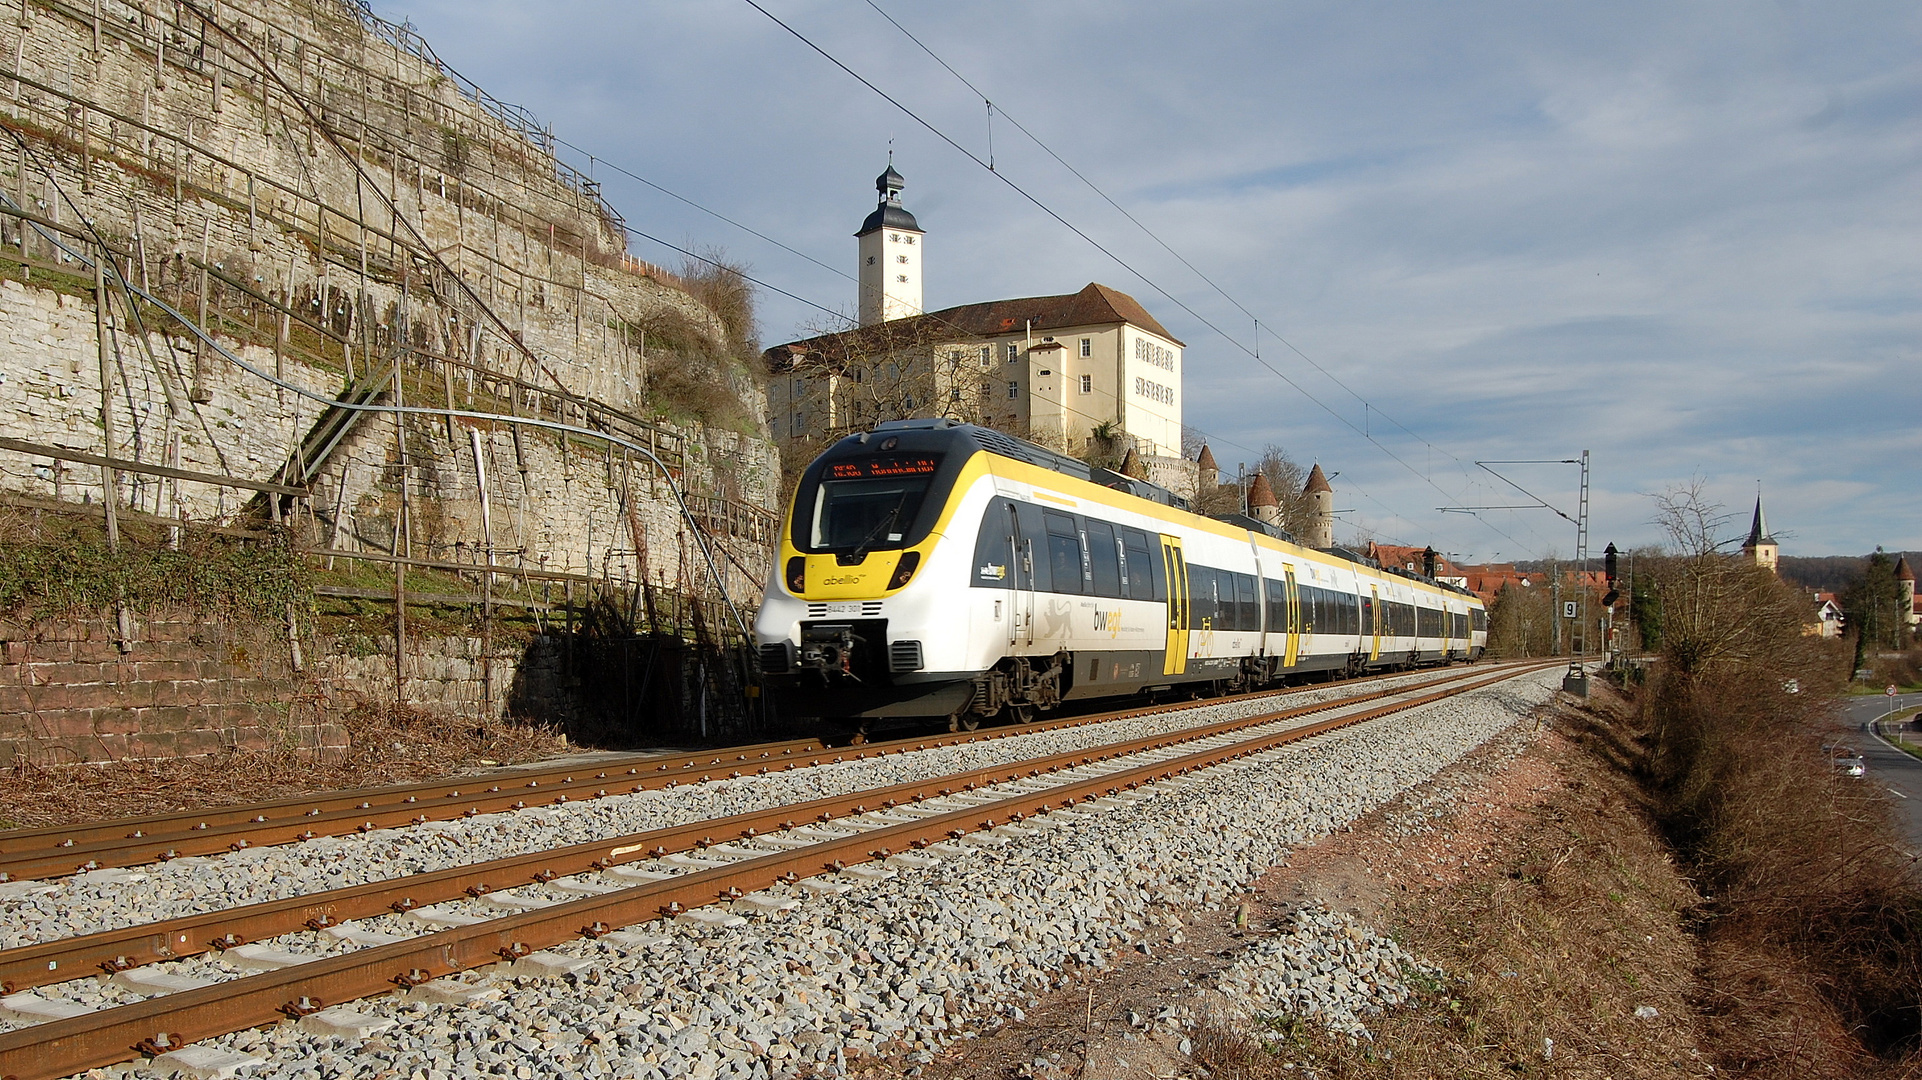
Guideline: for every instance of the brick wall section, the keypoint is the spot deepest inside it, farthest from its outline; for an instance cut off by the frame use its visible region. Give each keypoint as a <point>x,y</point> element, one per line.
<point>68,693</point>
<point>191,687</point>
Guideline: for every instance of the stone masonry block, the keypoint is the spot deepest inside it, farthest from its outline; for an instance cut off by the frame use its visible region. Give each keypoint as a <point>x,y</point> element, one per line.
<point>163,670</point>
<point>68,674</point>
<point>161,718</point>
<point>113,721</point>
<point>107,695</point>
<point>18,699</point>
<point>50,652</point>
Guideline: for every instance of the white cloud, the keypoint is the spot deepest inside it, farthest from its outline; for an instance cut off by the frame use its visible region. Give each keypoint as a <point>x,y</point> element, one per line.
<point>1686,238</point>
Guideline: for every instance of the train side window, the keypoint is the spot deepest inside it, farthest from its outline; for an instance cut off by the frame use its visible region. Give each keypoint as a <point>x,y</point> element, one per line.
<point>1249,615</point>
<point>1145,574</point>
<point>1064,552</point>
<point>1277,607</point>
<point>994,549</point>
<point>1201,592</point>
<point>1033,567</point>
<point>1102,554</point>
<point>1367,615</point>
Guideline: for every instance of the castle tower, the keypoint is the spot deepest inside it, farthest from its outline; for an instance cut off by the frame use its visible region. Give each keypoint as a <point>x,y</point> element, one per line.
<point>1208,474</point>
<point>889,244</point>
<point>1760,546</point>
<point>1321,497</point>
<point>1905,580</point>
<point>1262,503</point>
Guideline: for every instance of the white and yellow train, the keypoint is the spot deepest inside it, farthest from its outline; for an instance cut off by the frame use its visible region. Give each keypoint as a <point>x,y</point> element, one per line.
<point>936,569</point>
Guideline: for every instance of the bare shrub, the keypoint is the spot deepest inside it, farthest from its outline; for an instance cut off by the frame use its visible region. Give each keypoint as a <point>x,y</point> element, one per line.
<point>1813,926</point>
<point>722,286</point>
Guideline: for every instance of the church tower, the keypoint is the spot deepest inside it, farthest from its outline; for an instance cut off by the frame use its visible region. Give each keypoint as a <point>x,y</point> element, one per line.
<point>1760,546</point>
<point>889,244</point>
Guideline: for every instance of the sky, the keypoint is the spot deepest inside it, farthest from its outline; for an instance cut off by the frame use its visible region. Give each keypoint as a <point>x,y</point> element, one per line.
<point>1686,238</point>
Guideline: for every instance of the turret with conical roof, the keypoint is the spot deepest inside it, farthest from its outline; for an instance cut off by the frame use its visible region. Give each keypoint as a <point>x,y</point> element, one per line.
<point>1209,474</point>
<point>1262,503</point>
<point>1131,466</point>
<point>1321,500</point>
<point>1760,546</point>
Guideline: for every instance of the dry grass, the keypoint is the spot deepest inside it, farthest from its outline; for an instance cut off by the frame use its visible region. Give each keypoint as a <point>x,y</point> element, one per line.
<point>1813,930</point>
<point>1576,918</point>
<point>388,745</point>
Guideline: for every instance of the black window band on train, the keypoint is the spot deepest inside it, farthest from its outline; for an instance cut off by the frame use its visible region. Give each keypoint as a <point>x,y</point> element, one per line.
<point>1023,546</point>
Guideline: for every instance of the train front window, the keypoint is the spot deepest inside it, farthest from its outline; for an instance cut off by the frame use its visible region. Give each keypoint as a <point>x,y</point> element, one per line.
<point>869,504</point>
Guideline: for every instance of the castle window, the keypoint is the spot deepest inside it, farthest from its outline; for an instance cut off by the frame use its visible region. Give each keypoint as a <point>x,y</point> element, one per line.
<point>1087,384</point>
<point>902,278</point>
<point>1014,389</point>
<point>987,356</point>
<point>908,240</point>
<point>1014,351</point>
<point>1087,346</point>
<point>870,260</point>
<point>900,258</point>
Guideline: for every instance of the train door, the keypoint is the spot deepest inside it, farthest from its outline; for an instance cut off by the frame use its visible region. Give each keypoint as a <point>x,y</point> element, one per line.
<point>1292,651</point>
<point>1372,610</point>
<point>1176,660</point>
<point>1021,598</point>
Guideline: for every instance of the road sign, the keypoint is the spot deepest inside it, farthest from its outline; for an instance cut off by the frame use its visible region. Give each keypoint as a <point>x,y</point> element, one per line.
<point>1891,690</point>
<point>1568,609</point>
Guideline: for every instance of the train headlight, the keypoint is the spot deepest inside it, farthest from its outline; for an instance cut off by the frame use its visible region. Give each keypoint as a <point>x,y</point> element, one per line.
<point>797,575</point>
<point>904,569</point>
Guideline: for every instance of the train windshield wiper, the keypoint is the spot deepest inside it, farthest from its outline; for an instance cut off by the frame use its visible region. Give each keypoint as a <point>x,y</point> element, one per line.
<point>861,549</point>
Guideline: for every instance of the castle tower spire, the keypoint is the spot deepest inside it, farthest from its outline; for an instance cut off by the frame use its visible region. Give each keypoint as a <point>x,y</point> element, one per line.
<point>889,245</point>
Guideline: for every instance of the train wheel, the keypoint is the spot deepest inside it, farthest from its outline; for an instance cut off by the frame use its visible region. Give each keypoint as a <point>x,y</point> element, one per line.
<point>965,721</point>
<point>1021,714</point>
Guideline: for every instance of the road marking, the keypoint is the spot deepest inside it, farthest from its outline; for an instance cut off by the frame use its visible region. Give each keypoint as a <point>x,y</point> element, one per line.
<point>1896,793</point>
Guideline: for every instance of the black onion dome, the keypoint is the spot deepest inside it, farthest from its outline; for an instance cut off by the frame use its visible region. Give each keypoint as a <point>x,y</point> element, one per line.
<point>889,216</point>
<point>889,182</point>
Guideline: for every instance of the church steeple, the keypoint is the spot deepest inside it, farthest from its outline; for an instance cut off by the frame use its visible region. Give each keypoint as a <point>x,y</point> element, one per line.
<point>890,250</point>
<point>1760,546</point>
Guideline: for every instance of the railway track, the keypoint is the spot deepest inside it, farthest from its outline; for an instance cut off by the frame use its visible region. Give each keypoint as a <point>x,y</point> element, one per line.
<point>845,837</point>
<point>31,854</point>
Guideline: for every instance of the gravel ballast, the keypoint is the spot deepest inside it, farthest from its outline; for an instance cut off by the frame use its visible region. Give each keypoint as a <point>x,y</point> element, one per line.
<point>909,965</point>
<point>84,903</point>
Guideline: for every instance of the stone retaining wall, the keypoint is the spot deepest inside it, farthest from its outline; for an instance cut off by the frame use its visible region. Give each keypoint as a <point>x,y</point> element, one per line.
<point>68,692</point>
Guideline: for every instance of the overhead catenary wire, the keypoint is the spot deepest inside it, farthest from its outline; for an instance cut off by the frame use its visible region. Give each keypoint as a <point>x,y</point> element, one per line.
<point>1139,224</point>
<point>722,266</point>
<point>1123,263</point>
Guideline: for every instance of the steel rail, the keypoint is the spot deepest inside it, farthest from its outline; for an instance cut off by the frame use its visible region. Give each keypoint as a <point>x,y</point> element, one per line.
<point>64,959</point>
<point>59,850</point>
<point>60,1048</point>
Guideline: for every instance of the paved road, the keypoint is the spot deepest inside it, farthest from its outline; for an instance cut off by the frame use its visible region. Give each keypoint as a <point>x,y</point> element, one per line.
<point>1889,768</point>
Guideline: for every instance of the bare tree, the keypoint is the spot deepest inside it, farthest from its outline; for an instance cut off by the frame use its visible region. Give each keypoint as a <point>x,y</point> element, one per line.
<point>1716,609</point>
<point>1693,523</point>
<point>1288,479</point>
